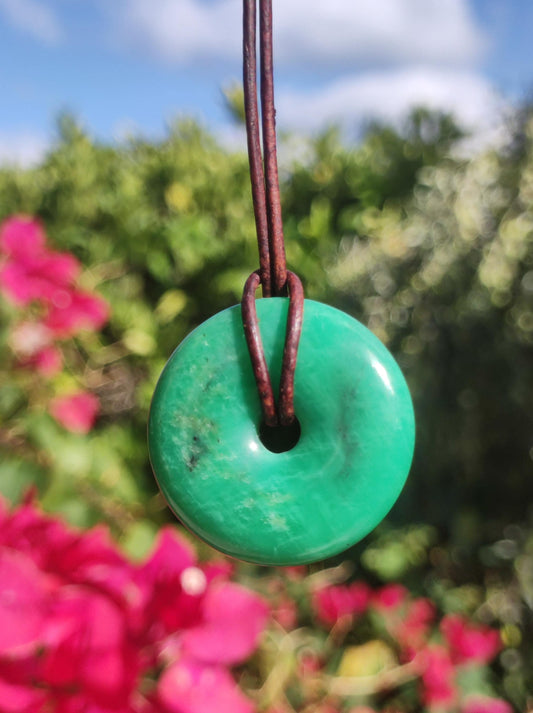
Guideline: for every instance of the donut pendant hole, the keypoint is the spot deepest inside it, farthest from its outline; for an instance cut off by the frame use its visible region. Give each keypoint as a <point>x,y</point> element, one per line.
<point>280,439</point>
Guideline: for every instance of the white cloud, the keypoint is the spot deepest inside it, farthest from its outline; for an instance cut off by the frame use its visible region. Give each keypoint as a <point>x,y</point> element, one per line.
<point>335,33</point>
<point>344,31</point>
<point>22,148</point>
<point>181,30</point>
<point>33,18</point>
<point>389,96</point>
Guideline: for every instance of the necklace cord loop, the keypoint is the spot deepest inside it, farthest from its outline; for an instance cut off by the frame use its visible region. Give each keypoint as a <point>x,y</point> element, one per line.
<point>284,413</point>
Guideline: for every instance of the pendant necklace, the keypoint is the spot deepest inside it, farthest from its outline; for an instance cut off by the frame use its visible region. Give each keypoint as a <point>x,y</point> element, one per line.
<point>302,477</point>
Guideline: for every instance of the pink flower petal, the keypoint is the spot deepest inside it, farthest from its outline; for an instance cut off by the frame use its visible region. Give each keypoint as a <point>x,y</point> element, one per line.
<point>20,699</point>
<point>93,559</point>
<point>45,278</point>
<point>285,612</point>
<point>89,647</point>
<point>47,362</point>
<point>189,687</point>
<point>389,597</point>
<point>168,606</point>
<point>218,569</point>
<point>62,268</point>
<point>234,619</point>
<point>469,642</point>
<point>88,557</point>
<point>172,554</point>
<point>412,629</point>
<point>73,311</point>
<point>482,704</point>
<point>37,535</point>
<point>438,678</point>
<point>19,286</point>
<point>21,237</point>
<point>76,412</point>
<point>25,600</point>
<point>333,602</point>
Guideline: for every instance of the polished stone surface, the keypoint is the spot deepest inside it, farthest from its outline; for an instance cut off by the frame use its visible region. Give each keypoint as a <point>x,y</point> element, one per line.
<point>308,503</point>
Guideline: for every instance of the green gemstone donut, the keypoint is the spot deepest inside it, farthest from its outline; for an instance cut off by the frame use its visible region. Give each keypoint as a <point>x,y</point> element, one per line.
<point>305,504</point>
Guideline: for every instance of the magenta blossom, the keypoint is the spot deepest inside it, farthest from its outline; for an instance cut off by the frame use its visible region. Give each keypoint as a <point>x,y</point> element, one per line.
<point>21,237</point>
<point>483,704</point>
<point>32,272</point>
<point>33,275</point>
<point>47,362</point>
<point>72,311</point>
<point>82,630</point>
<point>470,642</point>
<point>77,412</point>
<point>333,602</point>
<point>411,624</point>
<point>438,678</point>
<point>189,687</point>
<point>389,597</point>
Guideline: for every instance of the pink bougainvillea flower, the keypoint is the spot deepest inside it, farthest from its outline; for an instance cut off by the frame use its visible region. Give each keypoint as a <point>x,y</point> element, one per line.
<point>69,556</point>
<point>21,237</point>
<point>172,554</point>
<point>92,558</point>
<point>233,618</point>
<point>89,647</point>
<point>25,601</point>
<point>81,627</point>
<point>47,362</point>
<point>21,698</point>
<point>194,612</point>
<point>32,343</point>
<point>190,687</point>
<point>31,273</point>
<point>28,530</point>
<point>482,704</point>
<point>438,678</point>
<point>44,278</point>
<point>389,597</point>
<point>37,536</point>
<point>168,604</point>
<point>469,642</point>
<point>218,569</point>
<point>332,603</point>
<point>412,629</point>
<point>76,412</point>
<point>285,612</point>
<point>73,310</point>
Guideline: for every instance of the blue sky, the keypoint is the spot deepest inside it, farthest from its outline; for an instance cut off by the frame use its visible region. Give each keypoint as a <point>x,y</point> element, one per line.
<point>132,65</point>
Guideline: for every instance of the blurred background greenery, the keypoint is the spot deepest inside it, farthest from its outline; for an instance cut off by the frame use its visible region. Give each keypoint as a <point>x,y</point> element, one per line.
<point>429,247</point>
